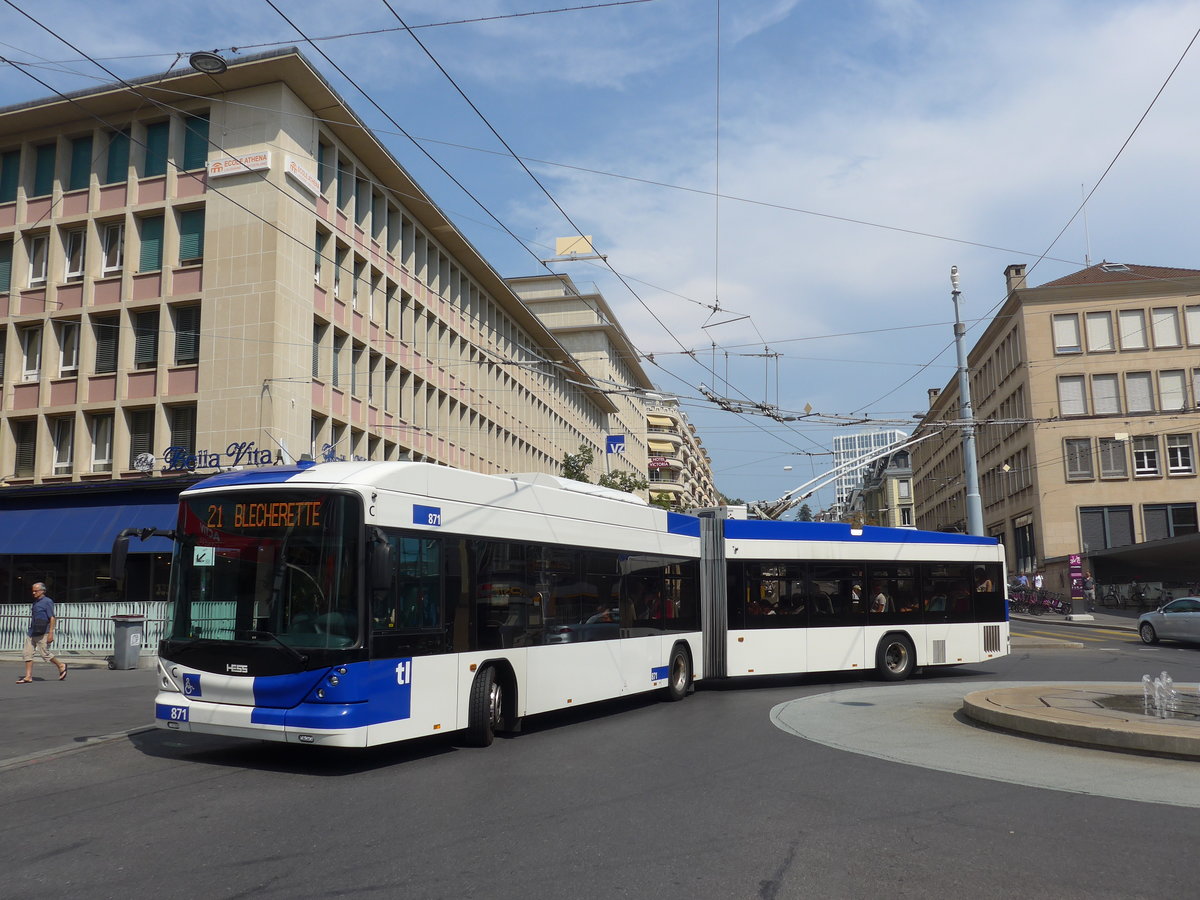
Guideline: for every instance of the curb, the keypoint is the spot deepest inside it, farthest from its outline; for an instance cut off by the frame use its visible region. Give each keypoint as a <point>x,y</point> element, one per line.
<point>1028,643</point>
<point>1034,717</point>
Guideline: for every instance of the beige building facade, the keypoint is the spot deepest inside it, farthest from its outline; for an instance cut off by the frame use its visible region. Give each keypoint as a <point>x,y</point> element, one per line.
<point>1085,396</point>
<point>201,272</point>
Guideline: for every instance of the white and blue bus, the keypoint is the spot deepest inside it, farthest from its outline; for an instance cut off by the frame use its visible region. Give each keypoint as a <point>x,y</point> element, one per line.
<point>823,597</point>
<point>360,603</point>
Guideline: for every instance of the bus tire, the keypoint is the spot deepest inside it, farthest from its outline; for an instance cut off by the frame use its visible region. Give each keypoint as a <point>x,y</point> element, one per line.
<point>896,658</point>
<point>679,674</point>
<point>485,709</point>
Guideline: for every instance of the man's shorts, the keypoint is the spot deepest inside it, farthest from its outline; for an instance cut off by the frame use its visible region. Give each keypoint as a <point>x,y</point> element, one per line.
<point>36,644</point>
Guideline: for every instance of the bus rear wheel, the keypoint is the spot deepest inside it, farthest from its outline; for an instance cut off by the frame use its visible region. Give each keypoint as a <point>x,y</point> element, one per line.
<point>485,709</point>
<point>895,659</point>
<point>679,674</point>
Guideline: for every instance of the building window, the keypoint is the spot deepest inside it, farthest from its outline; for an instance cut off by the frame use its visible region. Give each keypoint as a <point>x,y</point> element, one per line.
<point>903,488</point>
<point>1191,317</point>
<point>39,251</point>
<point>183,428</point>
<point>107,331</point>
<point>3,345</point>
<point>339,263</point>
<point>906,515</point>
<point>68,348</point>
<point>191,237</point>
<point>318,336</point>
<point>117,169</point>
<point>1172,390</point>
<point>1168,520</point>
<point>31,353</point>
<point>63,430</point>
<point>1145,455</point>
<point>1179,455</point>
<point>1066,333</point>
<point>1024,546</point>
<point>356,286</point>
<point>187,335</point>
<point>336,373</point>
<point>1139,392</point>
<point>25,447</point>
<point>76,247</point>
<point>151,256</point>
<point>102,442</point>
<point>1114,462</point>
<point>1078,455</point>
<point>112,242</point>
<point>1099,332</point>
<point>1106,395</point>
<point>1101,527</point>
<point>141,434</point>
<point>157,143</point>
<point>1164,322</point>
<point>10,175</point>
<point>1132,325</point>
<point>319,254</point>
<point>356,355</point>
<point>43,172</point>
<point>345,184</point>
<point>145,339</point>
<point>80,175</point>
<point>195,141</point>
<point>1072,400</point>
<point>326,165</point>
<point>6,248</point>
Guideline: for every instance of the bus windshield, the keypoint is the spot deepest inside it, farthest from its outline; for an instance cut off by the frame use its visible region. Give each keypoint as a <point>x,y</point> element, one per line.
<point>273,565</point>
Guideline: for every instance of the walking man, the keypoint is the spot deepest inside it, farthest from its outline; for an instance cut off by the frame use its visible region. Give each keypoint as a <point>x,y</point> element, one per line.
<point>41,634</point>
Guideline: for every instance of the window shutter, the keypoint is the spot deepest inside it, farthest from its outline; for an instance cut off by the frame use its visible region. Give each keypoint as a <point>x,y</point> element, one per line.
<point>1105,395</point>
<point>157,139</point>
<point>10,175</point>
<point>191,234</point>
<point>118,157</point>
<point>1191,317</point>
<point>1172,390</point>
<point>1138,392</point>
<point>107,333</point>
<point>141,432</point>
<point>152,234</point>
<point>43,176</point>
<point>1066,334</point>
<point>3,344</point>
<point>1165,322</point>
<point>1071,399</point>
<point>25,439</point>
<point>187,335</point>
<point>1120,526</point>
<point>1133,329</point>
<point>195,142</point>
<point>81,163</point>
<point>1156,522</point>
<point>1099,332</point>
<point>6,248</point>
<point>1091,528</point>
<point>145,346</point>
<point>1113,459</point>
<point>183,428</point>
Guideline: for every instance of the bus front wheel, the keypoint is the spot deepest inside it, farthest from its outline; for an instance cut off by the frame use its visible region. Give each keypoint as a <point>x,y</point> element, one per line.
<point>895,658</point>
<point>485,709</point>
<point>679,674</point>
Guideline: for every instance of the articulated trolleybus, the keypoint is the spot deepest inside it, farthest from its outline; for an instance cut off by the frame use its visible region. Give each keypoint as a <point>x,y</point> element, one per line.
<point>359,603</point>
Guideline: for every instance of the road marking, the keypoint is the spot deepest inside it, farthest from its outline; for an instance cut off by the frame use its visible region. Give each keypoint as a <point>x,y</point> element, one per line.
<point>1060,636</point>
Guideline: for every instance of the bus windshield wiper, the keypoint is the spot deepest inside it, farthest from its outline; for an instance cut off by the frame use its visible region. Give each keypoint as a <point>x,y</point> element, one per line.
<point>268,636</point>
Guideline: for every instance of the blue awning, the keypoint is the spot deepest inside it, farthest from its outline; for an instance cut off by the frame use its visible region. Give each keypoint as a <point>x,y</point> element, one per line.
<point>87,527</point>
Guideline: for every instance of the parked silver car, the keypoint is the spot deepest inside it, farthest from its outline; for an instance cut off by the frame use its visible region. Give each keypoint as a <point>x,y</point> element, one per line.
<point>1178,620</point>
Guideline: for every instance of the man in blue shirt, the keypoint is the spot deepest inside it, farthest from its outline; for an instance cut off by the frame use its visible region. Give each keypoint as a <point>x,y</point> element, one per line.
<point>41,634</point>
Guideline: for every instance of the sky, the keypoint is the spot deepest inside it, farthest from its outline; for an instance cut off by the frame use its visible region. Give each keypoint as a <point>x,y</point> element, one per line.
<point>780,187</point>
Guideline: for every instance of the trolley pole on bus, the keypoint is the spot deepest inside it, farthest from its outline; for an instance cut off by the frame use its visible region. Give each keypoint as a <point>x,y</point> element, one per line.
<point>967,414</point>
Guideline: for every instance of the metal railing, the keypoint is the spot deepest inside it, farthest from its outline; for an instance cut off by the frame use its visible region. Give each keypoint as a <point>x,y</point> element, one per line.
<point>85,627</point>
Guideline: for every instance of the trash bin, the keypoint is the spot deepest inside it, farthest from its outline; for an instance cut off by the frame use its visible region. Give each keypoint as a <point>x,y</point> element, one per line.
<point>127,641</point>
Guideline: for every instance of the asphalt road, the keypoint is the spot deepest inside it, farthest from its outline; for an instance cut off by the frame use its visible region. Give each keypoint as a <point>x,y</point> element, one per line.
<point>710,797</point>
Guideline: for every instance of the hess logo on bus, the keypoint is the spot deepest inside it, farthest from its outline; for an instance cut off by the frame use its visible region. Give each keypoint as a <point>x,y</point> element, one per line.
<point>237,669</point>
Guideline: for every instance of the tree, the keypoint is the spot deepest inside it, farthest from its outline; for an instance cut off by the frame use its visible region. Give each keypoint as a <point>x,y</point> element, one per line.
<point>576,465</point>
<point>623,481</point>
<point>805,514</point>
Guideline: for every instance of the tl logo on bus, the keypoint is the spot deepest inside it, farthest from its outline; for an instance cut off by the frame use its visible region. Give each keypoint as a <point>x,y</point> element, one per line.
<point>404,672</point>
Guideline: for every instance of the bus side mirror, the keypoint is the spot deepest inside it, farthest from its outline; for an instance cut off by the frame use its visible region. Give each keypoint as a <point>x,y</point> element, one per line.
<point>382,565</point>
<point>116,560</point>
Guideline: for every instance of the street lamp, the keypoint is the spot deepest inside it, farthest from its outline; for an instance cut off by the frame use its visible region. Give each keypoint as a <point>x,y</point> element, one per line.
<point>965,412</point>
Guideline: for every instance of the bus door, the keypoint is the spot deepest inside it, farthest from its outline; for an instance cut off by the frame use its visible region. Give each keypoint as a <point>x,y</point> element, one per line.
<point>837,618</point>
<point>946,595</point>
